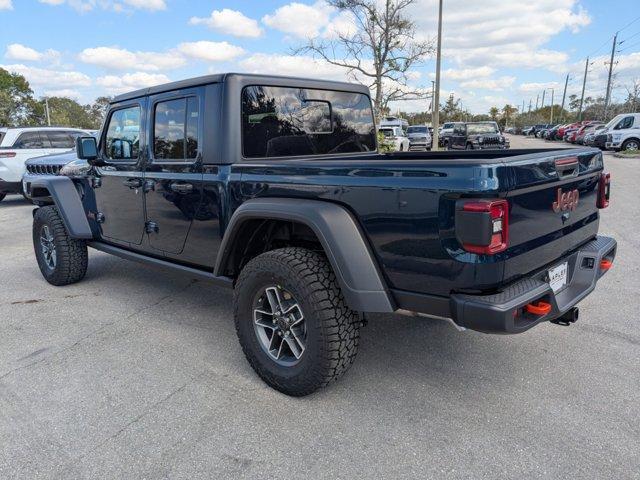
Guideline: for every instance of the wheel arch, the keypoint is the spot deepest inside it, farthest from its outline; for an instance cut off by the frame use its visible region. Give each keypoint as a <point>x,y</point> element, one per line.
<point>336,232</point>
<point>68,202</point>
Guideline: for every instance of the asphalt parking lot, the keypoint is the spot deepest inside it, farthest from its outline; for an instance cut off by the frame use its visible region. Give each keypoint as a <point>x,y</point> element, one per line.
<point>137,373</point>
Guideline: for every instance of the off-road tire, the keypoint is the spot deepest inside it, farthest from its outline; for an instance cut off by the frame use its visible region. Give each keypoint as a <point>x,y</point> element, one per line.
<point>333,330</point>
<point>71,254</point>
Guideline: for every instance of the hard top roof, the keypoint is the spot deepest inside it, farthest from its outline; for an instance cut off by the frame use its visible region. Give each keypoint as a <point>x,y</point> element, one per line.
<point>223,77</point>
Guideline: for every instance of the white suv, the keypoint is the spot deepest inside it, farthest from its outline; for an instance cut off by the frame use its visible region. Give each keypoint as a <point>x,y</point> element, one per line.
<point>624,132</point>
<point>17,145</point>
<point>396,137</point>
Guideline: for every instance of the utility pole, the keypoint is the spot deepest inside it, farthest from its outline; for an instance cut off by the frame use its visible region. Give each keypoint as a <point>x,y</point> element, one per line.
<point>46,109</point>
<point>564,95</point>
<point>537,100</point>
<point>543,92</point>
<point>608,96</point>
<point>530,100</point>
<point>584,84</point>
<point>551,116</point>
<point>435,119</point>
<point>433,89</point>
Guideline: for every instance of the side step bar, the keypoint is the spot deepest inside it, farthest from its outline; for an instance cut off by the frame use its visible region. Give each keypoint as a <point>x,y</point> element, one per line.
<point>137,257</point>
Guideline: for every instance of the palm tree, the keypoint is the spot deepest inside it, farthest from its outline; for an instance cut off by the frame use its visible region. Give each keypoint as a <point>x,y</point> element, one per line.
<point>493,113</point>
<point>507,112</point>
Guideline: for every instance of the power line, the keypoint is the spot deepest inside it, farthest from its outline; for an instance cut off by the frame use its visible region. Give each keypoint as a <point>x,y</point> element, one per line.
<point>629,24</point>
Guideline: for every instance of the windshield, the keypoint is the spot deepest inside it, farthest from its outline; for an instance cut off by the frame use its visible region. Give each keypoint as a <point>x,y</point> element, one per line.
<point>417,130</point>
<point>475,128</point>
<point>613,121</point>
<point>387,132</point>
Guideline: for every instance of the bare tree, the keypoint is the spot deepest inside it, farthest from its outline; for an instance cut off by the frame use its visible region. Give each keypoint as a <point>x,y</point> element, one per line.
<point>381,52</point>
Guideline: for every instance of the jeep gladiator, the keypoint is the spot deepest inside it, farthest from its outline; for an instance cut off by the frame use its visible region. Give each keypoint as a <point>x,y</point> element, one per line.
<point>273,186</point>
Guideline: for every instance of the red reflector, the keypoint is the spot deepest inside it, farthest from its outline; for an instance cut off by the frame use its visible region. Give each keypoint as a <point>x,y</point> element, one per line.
<point>7,154</point>
<point>604,189</point>
<point>566,161</point>
<point>540,308</point>
<point>499,213</point>
<point>605,264</point>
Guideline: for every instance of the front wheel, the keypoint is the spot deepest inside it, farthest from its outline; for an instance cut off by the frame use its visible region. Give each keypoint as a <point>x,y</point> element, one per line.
<point>292,321</point>
<point>630,145</point>
<point>62,260</point>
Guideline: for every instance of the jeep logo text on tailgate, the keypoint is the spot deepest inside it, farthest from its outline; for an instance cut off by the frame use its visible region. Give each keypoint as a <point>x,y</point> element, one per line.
<point>566,201</point>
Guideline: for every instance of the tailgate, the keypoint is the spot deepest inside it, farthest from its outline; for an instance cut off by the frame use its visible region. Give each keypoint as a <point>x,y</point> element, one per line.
<point>553,208</point>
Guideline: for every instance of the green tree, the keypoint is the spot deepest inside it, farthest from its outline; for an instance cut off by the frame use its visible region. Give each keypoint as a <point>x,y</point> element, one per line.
<point>16,99</point>
<point>493,113</point>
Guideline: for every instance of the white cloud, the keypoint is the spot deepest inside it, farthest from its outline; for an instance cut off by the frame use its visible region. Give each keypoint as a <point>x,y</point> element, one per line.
<point>290,65</point>
<point>114,58</point>
<point>299,19</point>
<point>210,51</point>
<point>501,34</point>
<point>231,22</point>
<point>115,5</point>
<point>467,73</point>
<point>6,5</point>
<point>114,84</point>
<point>49,78</point>
<point>496,84</point>
<point>16,51</point>
<point>63,92</point>
<point>537,86</point>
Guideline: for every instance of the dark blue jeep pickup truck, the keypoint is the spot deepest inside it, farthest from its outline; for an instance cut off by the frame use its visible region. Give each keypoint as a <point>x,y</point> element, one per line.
<point>273,186</point>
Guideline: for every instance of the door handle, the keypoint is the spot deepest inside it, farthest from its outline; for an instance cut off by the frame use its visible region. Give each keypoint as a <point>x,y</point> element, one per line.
<point>133,183</point>
<point>181,187</point>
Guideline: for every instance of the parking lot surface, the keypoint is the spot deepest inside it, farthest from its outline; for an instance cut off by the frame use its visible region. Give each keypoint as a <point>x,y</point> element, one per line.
<point>137,373</point>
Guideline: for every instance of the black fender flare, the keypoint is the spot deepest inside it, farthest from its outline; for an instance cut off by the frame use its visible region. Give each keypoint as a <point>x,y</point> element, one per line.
<point>66,198</point>
<point>342,239</point>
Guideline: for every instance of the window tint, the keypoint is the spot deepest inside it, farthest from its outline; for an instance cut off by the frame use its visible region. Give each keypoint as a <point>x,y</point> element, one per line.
<point>176,129</point>
<point>60,139</point>
<point>122,141</point>
<point>283,121</point>
<point>30,140</point>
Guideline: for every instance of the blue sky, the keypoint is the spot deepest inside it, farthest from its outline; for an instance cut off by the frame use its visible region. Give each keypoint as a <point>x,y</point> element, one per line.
<point>495,51</point>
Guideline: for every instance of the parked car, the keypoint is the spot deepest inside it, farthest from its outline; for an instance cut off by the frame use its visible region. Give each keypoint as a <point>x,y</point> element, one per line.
<point>389,122</point>
<point>444,132</point>
<point>17,145</point>
<point>396,138</point>
<point>477,136</point>
<point>624,132</point>
<point>590,135</point>
<point>419,137</point>
<point>236,183</point>
<point>591,127</point>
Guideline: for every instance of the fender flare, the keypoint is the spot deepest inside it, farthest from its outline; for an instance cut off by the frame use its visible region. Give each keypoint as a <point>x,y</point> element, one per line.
<point>66,198</point>
<point>340,236</point>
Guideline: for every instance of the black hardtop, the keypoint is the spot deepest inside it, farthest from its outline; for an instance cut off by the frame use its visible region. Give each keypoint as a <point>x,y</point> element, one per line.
<point>245,79</point>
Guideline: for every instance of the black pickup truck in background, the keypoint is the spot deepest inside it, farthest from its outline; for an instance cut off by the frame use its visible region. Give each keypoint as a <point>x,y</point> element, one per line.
<point>273,186</point>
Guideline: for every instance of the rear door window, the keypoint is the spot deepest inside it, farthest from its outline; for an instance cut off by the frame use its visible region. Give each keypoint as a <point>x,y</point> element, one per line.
<point>285,121</point>
<point>30,140</point>
<point>60,139</point>
<point>175,130</point>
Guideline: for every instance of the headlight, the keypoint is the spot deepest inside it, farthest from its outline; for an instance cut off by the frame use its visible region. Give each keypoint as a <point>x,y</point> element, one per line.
<point>75,168</point>
<point>480,139</point>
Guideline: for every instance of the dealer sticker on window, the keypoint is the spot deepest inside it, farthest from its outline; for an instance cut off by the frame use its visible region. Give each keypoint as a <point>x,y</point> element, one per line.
<point>558,277</point>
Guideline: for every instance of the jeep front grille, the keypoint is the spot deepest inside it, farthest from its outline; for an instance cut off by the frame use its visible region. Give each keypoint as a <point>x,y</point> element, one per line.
<point>44,169</point>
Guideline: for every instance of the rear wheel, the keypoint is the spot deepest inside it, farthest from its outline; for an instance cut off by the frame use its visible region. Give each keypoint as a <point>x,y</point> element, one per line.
<point>292,321</point>
<point>62,259</point>
<point>631,144</point>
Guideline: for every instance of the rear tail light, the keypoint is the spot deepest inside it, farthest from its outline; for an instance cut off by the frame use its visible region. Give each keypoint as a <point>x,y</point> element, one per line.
<point>7,154</point>
<point>604,189</point>
<point>487,234</point>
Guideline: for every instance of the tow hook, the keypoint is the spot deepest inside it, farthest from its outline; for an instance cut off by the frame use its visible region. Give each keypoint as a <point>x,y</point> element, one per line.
<point>567,318</point>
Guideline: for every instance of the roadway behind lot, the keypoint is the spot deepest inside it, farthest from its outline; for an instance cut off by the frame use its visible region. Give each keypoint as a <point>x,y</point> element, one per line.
<point>137,373</point>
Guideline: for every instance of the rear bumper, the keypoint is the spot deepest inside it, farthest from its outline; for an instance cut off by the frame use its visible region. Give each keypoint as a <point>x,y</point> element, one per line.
<point>503,312</point>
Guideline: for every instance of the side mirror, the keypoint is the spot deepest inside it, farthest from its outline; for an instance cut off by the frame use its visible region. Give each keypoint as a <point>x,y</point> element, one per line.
<point>87,149</point>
